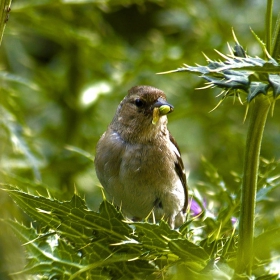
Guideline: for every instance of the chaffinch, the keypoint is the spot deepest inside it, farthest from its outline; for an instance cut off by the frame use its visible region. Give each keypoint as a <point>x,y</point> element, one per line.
<point>138,161</point>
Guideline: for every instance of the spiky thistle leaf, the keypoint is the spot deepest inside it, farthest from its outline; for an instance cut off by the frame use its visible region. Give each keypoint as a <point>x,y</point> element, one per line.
<point>239,72</point>
<point>67,240</point>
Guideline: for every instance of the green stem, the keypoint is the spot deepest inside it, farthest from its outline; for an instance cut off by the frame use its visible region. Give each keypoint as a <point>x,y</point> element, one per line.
<point>245,253</point>
<point>268,24</point>
<point>275,50</point>
<point>4,15</point>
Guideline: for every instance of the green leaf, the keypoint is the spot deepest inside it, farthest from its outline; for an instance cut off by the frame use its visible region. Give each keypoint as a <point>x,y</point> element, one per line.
<point>8,77</point>
<point>271,239</point>
<point>257,88</point>
<point>236,72</point>
<point>189,251</point>
<point>263,194</point>
<point>70,234</point>
<point>72,218</point>
<point>18,141</point>
<point>239,51</point>
<point>269,277</point>
<point>154,237</point>
<point>275,83</point>
<point>48,253</point>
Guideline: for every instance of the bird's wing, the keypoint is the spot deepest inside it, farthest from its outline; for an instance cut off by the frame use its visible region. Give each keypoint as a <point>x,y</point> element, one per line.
<point>109,151</point>
<point>180,170</point>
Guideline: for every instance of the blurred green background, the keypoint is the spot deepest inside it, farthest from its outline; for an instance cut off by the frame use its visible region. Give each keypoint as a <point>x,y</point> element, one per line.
<point>65,66</point>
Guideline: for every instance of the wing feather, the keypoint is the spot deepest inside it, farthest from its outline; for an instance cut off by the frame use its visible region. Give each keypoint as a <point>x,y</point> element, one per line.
<point>180,170</point>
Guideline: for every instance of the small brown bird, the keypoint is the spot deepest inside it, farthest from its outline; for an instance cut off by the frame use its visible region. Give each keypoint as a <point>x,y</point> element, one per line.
<point>138,161</point>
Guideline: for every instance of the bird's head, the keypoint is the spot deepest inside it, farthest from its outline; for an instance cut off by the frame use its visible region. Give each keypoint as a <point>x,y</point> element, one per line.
<point>142,113</point>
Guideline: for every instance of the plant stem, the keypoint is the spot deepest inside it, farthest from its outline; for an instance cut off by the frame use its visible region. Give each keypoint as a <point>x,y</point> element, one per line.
<point>245,253</point>
<point>276,39</point>
<point>268,25</point>
<point>4,15</point>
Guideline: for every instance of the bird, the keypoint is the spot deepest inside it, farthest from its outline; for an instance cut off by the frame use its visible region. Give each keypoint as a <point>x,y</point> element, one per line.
<point>138,161</point>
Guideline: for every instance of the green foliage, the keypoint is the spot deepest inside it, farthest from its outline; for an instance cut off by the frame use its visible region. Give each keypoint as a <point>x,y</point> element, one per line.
<point>69,241</point>
<point>239,73</point>
<point>65,65</point>
<point>252,76</point>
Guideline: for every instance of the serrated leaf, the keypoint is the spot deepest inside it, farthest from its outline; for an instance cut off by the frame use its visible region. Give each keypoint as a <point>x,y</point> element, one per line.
<point>155,237</point>
<point>137,269</point>
<point>232,81</point>
<point>189,251</point>
<point>236,72</point>
<point>74,236</point>
<point>73,218</point>
<point>257,88</point>
<point>239,51</point>
<point>47,253</point>
<point>275,83</point>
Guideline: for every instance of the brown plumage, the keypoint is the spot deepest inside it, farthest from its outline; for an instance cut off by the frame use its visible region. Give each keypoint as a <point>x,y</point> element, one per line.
<point>138,161</point>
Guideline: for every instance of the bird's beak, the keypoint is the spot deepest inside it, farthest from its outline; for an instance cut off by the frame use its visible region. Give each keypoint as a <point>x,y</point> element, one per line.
<point>160,108</point>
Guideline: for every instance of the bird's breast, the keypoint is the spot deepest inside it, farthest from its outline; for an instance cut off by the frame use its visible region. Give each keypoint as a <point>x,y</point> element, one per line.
<point>147,165</point>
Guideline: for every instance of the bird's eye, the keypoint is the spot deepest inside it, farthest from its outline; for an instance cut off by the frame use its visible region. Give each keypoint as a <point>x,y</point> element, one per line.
<point>139,103</point>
